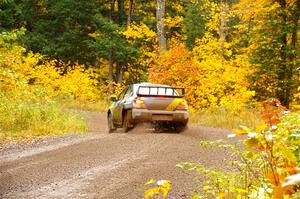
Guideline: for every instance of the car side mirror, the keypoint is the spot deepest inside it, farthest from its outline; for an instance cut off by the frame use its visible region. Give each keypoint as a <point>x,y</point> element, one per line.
<point>113,99</point>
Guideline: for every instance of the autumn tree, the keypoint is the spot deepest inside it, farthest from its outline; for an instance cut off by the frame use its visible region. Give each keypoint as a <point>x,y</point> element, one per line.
<point>270,28</point>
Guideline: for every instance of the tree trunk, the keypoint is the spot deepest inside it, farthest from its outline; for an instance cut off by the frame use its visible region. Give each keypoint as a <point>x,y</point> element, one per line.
<point>110,58</point>
<point>119,73</point>
<point>295,28</point>
<point>110,72</point>
<point>160,13</point>
<point>121,12</point>
<point>293,55</point>
<point>284,88</point>
<point>112,10</point>
<point>129,13</point>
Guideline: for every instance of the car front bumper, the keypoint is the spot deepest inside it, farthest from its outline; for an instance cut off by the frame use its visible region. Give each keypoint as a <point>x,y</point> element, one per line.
<point>146,115</point>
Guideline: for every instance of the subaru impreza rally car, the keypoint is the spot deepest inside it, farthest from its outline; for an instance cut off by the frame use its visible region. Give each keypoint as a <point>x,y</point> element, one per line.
<point>162,105</point>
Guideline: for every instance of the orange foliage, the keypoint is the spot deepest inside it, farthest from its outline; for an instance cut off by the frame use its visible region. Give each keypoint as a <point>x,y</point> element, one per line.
<point>176,68</point>
<point>210,80</point>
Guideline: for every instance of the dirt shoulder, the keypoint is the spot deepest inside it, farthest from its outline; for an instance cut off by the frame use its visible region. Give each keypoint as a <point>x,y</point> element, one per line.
<point>102,165</point>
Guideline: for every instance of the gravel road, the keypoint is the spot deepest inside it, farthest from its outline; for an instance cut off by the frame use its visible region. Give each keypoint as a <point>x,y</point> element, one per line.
<point>102,165</point>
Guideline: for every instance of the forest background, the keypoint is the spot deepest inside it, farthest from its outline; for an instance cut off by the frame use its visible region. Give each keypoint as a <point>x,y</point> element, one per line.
<point>62,54</point>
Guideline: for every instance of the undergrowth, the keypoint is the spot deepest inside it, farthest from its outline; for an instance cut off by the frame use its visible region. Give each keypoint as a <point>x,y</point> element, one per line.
<point>22,117</point>
<point>100,106</point>
<point>30,90</point>
<point>227,119</point>
<point>264,164</point>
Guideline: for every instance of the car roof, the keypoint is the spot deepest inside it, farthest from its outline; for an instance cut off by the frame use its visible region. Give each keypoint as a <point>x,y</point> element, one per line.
<point>150,84</point>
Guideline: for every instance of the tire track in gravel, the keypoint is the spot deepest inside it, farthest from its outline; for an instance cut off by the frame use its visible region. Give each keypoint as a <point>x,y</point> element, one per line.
<point>102,165</point>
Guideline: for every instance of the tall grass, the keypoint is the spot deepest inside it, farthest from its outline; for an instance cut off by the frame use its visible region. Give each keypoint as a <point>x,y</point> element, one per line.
<point>28,111</point>
<point>100,106</point>
<point>26,119</point>
<point>226,119</point>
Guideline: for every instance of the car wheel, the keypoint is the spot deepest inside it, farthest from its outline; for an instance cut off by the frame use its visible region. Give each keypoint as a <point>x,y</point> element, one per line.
<point>111,126</point>
<point>158,127</point>
<point>180,126</point>
<point>126,126</point>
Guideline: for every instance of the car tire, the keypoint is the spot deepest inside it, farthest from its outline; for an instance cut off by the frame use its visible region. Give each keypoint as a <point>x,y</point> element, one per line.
<point>180,126</point>
<point>126,125</point>
<point>111,126</point>
<point>158,127</point>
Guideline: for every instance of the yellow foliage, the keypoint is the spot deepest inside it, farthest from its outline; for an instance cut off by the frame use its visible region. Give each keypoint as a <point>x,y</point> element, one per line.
<point>80,83</point>
<point>210,80</point>
<point>139,31</point>
<point>73,81</point>
<point>160,188</point>
<point>212,75</point>
<point>27,105</point>
<point>143,37</point>
<point>296,93</point>
<point>172,22</point>
<point>177,6</point>
<point>214,23</point>
<point>249,9</point>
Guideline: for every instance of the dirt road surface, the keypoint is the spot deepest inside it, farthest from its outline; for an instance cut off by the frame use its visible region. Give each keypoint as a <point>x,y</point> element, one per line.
<point>102,165</point>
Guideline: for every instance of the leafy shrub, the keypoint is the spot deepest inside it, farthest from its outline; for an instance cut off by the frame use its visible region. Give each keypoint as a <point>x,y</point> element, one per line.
<point>27,110</point>
<point>159,189</point>
<point>29,89</point>
<point>60,78</point>
<point>268,165</point>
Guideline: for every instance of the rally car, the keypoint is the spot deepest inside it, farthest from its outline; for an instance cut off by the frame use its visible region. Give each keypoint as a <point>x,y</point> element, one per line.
<point>162,105</point>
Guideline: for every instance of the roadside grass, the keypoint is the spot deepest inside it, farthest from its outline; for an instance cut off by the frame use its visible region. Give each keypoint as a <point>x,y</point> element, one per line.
<point>28,111</point>
<point>21,120</point>
<point>227,120</point>
<point>100,106</point>
<point>30,90</point>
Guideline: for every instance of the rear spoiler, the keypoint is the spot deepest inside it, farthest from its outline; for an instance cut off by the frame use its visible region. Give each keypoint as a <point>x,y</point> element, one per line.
<point>161,91</point>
